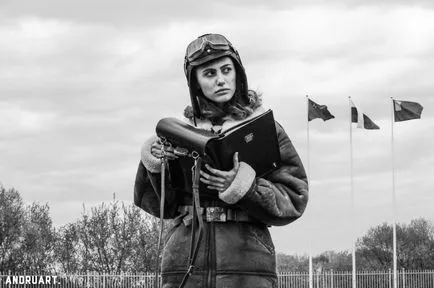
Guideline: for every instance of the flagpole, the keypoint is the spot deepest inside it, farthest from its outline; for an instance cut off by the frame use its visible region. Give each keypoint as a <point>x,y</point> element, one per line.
<point>308,185</point>
<point>352,200</point>
<point>395,280</point>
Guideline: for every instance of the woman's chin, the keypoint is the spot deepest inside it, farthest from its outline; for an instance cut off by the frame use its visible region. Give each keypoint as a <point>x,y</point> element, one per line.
<point>223,98</point>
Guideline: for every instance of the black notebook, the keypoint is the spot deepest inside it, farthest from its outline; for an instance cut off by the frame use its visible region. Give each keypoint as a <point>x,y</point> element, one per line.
<point>255,141</point>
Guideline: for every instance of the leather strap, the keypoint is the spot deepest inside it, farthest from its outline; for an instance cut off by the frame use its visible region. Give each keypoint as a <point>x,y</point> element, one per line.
<point>194,245</point>
<point>160,232</point>
<point>217,214</point>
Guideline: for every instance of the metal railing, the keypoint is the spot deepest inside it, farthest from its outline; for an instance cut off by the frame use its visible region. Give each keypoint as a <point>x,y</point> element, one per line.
<point>364,279</point>
<point>329,279</point>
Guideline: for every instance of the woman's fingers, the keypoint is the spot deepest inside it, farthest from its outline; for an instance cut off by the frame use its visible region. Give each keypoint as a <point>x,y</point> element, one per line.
<point>212,184</point>
<point>216,171</point>
<point>170,156</point>
<point>217,179</point>
<point>155,151</point>
<point>236,161</point>
<point>212,179</point>
<point>219,189</point>
<point>158,152</point>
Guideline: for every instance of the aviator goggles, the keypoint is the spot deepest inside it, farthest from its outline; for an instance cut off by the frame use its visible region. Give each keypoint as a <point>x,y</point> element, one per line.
<point>207,43</point>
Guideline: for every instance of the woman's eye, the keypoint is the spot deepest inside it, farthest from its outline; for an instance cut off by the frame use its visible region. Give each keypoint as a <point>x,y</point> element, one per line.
<point>209,73</point>
<point>227,70</point>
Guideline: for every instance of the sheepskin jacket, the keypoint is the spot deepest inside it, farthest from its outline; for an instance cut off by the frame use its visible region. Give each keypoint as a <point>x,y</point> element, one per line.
<point>231,254</point>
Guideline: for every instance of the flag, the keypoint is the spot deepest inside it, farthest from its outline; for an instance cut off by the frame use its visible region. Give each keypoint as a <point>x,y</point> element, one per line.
<point>318,111</point>
<point>362,121</point>
<point>406,110</point>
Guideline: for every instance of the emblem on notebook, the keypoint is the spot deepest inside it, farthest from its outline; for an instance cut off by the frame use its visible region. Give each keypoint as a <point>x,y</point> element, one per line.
<point>248,138</point>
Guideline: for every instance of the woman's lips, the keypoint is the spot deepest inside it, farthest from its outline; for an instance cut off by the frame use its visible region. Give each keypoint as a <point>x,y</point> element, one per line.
<point>222,91</point>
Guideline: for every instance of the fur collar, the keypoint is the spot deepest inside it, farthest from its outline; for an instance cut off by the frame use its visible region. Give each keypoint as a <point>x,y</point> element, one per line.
<point>229,123</point>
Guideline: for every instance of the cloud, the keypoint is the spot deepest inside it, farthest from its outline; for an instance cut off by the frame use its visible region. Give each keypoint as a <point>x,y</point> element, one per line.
<point>135,13</point>
<point>16,120</point>
<point>83,85</point>
<point>154,14</point>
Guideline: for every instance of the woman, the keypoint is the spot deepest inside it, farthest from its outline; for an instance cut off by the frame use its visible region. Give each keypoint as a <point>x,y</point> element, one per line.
<point>236,250</point>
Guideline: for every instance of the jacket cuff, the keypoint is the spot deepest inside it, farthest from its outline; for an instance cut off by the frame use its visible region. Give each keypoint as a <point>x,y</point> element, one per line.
<point>151,163</point>
<point>240,186</point>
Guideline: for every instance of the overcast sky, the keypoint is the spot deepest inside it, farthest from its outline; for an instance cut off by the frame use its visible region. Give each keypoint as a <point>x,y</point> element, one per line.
<point>83,83</point>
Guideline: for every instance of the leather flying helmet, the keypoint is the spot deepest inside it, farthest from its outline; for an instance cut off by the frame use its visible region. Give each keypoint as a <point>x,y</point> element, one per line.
<point>206,48</point>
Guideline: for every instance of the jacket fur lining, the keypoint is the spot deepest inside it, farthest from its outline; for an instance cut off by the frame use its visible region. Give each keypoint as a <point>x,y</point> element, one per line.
<point>206,124</point>
<point>241,184</point>
<point>151,163</point>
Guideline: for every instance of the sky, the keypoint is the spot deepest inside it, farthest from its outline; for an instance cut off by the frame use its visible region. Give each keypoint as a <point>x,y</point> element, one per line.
<point>83,84</point>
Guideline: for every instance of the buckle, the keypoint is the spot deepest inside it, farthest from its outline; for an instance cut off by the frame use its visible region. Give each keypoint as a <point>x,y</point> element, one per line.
<point>215,214</point>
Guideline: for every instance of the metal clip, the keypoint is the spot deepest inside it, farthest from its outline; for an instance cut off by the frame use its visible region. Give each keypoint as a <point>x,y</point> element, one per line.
<point>193,171</point>
<point>194,155</point>
<point>190,269</point>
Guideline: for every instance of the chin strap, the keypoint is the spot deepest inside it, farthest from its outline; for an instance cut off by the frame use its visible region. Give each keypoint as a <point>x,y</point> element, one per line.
<point>197,216</point>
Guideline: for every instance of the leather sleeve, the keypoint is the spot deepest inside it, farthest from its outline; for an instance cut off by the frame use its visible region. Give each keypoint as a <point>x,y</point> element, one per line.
<point>280,197</point>
<point>147,193</point>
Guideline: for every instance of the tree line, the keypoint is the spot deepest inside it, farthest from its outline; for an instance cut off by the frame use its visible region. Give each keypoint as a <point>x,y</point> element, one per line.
<point>115,238</point>
<point>374,251</point>
<point>111,238</point>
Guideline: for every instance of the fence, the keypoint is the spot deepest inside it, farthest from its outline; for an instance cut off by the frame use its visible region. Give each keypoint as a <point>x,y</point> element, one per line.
<point>330,279</point>
<point>364,279</point>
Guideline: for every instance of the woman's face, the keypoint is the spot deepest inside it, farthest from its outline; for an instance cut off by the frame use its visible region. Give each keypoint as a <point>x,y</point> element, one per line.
<point>217,79</point>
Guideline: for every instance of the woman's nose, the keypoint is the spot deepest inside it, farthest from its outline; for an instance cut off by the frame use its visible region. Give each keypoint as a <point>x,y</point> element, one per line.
<point>220,79</point>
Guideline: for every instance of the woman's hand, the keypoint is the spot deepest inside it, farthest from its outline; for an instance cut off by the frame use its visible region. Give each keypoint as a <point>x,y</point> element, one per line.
<point>217,179</point>
<point>157,152</point>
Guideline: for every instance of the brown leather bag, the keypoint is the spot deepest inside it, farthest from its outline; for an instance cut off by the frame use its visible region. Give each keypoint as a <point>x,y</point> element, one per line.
<point>255,141</point>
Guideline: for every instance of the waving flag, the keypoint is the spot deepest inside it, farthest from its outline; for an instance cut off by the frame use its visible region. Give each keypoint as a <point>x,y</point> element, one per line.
<point>318,111</point>
<point>406,110</point>
<point>361,119</point>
